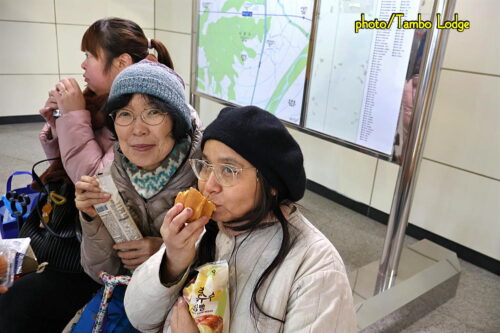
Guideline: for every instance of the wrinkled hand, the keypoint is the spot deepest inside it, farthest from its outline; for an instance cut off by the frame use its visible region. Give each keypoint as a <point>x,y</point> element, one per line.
<point>134,253</point>
<point>180,239</point>
<point>49,107</point>
<point>69,96</point>
<point>87,194</point>
<point>182,321</point>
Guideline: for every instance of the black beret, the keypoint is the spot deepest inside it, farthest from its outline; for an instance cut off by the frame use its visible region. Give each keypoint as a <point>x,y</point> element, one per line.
<point>261,139</point>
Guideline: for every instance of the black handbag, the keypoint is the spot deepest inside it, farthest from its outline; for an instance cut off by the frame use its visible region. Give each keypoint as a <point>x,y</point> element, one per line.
<point>56,241</point>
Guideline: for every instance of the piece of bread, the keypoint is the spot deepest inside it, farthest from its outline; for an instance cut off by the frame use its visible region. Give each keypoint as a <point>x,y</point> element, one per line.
<point>200,205</point>
<point>212,322</point>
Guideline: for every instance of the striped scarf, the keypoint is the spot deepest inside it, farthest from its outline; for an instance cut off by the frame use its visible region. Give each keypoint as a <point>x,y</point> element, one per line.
<point>150,182</point>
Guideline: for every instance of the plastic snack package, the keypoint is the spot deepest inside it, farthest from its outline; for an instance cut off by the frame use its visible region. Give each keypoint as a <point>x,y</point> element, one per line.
<point>208,297</point>
<point>7,267</point>
<point>19,247</point>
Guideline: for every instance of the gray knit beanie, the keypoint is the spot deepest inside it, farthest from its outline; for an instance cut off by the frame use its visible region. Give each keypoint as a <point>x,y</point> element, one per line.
<point>155,79</point>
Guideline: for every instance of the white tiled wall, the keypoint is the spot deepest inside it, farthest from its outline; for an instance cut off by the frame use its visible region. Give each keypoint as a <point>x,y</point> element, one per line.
<point>14,90</point>
<point>385,183</point>
<point>28,48</point>
<point>86,12</point>
<point>458,190</point>
<point>465,124</point>
<point>70,54</point>
<point>477,49</point>
<point>27,10</point>
<point>209,110</point>
<point>458,205</point>
<point>40,42</point>
<point>174,15</point>
<point>344,170</point>
<point>179,46</point>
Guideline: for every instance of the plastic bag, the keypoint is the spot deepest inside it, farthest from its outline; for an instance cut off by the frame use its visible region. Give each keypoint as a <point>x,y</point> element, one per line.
<point>7,267</point>
<point>208,298</point>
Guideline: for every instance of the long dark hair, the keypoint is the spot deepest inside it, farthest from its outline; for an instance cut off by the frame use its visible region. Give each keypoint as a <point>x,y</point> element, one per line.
<point>267,204</point>
<point>115,36</point>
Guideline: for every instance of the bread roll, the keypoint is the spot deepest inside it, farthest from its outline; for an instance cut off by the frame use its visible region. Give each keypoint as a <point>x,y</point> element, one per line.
<point>200,205</point>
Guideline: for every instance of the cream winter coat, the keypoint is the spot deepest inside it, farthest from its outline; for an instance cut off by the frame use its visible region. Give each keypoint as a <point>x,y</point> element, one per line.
<point>310,289</point>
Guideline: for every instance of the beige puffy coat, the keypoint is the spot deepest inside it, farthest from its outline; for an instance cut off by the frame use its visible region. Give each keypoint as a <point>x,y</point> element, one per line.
<point>310,290</point>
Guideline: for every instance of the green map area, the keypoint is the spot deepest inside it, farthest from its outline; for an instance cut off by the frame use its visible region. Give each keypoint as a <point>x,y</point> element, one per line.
<point>224,42</point>
<point>254,52</point>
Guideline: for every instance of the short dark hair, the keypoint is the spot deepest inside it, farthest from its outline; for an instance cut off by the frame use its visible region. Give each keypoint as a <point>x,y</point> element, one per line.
<point>179,129</point>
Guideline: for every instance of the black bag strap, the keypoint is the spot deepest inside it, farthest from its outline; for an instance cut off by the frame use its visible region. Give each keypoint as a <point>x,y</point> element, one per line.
<point>76,233</point>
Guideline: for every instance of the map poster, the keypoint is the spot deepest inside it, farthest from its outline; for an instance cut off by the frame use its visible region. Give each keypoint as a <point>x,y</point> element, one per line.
<point>255,53</point>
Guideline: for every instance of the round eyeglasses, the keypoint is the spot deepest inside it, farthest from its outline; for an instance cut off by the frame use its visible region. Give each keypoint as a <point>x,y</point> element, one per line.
<point>225,174</point>
<point>151,117</point>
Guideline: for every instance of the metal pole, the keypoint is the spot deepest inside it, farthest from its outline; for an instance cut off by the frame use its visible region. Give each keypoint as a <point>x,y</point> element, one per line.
<point>412,155</point>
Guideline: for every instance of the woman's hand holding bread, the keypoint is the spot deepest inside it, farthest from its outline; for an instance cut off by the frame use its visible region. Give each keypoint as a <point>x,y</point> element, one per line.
<point>180,236</point>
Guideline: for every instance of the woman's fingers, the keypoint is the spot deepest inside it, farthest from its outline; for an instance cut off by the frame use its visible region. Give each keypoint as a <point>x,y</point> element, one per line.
<point>87,183</point>
<point>180,220</point>
<point>181,320</point>
<point>172,213</point>
<point>143,246</point>
<point>177,229</point>
<point>166,228</point>
<point>89,179</point>
<point>134,263</point>
<point>89,202</point>
<point>69,95</point>
<point>191,229</point>
<point>73,84</point>
<point>88,193</point>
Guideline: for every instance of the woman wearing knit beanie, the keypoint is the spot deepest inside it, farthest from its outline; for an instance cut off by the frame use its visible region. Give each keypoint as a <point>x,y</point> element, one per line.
<point>285,276</point>
<point>157,133</point>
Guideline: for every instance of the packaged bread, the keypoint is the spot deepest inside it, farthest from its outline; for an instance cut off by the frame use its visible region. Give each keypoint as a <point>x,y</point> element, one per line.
<point>200,205</point>
<point>208,297</point>
<point>8,258</point>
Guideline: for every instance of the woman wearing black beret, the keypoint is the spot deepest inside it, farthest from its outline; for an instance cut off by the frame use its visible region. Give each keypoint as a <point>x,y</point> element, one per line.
<point>284,274</point>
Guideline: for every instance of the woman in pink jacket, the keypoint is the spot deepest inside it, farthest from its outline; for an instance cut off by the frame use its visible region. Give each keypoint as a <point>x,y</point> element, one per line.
<point>45,302</point>
<point>79,136</point>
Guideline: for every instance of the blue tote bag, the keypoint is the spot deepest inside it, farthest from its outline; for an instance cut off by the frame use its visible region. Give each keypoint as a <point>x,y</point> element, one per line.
<point>16,205</point>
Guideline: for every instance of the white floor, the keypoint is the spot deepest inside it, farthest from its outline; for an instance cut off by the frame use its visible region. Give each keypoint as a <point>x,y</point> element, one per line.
<point>359,239</point>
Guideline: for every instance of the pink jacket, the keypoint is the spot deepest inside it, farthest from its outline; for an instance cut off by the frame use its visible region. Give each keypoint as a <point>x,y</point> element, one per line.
<point>83,151</point>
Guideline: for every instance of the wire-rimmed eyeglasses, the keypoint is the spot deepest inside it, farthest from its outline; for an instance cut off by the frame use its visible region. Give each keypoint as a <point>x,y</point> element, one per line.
<point>151,117</point>
<point>225,174</point>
